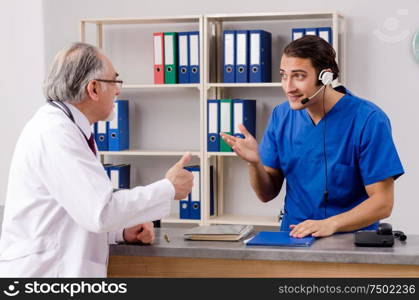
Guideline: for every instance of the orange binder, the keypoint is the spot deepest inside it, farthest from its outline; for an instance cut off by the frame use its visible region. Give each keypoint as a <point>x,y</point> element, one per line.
<point>158,38</point>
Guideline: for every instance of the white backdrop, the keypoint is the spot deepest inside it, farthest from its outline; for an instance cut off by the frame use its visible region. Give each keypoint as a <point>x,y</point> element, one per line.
<point>22,71</point>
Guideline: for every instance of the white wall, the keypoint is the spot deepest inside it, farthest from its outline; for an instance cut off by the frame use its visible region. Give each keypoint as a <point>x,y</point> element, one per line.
<point>379,69</point>
<point>22,72</point>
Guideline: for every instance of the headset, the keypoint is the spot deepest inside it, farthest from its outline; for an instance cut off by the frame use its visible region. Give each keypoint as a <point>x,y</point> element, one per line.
<point>325,78</point>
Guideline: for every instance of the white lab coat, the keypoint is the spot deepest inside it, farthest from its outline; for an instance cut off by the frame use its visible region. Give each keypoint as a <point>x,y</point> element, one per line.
<point>60,211</point>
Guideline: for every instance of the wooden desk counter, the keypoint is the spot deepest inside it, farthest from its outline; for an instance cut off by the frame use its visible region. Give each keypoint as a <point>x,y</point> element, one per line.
<point>335,256</point>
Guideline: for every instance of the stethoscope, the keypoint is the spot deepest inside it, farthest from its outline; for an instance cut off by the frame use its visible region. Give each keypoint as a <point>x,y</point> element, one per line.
<point>64,108</point>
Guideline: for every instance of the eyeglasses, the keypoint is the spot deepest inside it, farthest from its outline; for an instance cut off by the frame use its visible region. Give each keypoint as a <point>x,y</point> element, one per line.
<point>117,82</point>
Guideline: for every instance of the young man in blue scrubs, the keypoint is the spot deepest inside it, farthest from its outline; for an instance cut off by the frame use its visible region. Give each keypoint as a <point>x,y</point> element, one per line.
<point>335,150</point>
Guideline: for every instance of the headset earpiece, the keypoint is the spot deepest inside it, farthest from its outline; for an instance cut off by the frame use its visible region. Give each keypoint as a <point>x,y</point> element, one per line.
<point>385,229</point>
<point>326,77</point>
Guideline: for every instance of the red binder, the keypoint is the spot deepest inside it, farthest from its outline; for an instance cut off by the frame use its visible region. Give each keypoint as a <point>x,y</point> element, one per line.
<point>158,38</point>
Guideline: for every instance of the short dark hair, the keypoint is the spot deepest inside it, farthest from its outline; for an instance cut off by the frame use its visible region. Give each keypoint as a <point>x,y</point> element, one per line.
<point>321,53</point>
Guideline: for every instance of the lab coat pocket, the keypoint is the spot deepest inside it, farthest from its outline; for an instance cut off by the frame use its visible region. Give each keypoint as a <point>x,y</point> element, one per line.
<point>27,247</point>
<point>92,269</point>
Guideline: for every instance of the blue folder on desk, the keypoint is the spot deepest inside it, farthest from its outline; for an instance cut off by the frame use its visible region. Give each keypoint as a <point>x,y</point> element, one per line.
<point>279,238</point>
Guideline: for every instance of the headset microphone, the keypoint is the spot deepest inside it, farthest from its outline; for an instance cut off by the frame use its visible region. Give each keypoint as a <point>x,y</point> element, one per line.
<point>326,77</point>
<point>305,100</point>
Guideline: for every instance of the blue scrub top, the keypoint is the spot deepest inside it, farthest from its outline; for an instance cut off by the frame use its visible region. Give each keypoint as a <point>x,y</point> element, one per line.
<point>359,147</point>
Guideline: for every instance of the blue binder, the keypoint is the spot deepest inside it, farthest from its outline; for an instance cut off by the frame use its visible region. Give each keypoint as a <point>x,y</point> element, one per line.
<point>260,56</point>
<point>195,195</point>
<point>311,31</point>
<point>213,125</point>
<point>242,56</point>
<point>194,68</point>
<point>183,59</point>
<point>184,205</point>
<point>107,168</point>
<point>325,33</point>
<point>101,137</point>
<point>94,130</point>
<point>184,210</point>
<point>244,112</point>
<point>229,55</point>
<point>279,238</point>
<point>119,127</point>
<point>298,33</point>
<point>120,176</point>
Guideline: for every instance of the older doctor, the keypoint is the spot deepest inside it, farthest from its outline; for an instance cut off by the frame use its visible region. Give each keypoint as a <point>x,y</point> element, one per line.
<point>61,212</point>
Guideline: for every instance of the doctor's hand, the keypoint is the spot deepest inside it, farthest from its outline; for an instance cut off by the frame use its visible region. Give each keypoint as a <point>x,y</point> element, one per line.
<point>181,179</point>
<point>247,148</point>
<point>143,233</point>
<point>316,228</point>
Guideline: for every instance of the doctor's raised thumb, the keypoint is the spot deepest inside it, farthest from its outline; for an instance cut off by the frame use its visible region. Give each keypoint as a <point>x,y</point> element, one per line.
<point>184,160</point>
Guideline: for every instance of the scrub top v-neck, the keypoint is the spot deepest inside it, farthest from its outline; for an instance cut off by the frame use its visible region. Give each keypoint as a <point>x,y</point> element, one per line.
<point>359,151</point>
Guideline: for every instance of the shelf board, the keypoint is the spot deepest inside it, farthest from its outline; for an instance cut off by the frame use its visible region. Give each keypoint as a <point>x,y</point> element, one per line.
<point>148,153</point>
<point>197,86</point>
<point>233,154</point>
<point>241,219</point>
<point>174,218</point>
<point>272,16</point>
<point>159,86</point>
<point>147,20</point>
<point>249,84</point>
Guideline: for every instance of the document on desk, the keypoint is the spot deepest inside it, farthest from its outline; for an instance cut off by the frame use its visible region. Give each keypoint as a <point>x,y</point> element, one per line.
<point>279,238</point>
<point>218,232</point>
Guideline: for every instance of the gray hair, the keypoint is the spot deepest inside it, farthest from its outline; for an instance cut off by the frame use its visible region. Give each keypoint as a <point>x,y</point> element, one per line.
<point>71,71</point>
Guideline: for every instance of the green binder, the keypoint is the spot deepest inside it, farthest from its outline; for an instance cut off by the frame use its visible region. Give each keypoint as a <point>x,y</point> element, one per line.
<point>170,57</point>
<point>226,122</point>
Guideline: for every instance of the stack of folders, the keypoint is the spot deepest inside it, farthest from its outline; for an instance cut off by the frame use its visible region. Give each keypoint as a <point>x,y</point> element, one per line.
<point>190,207</point>
<point>247,56</point>
<point>176,57</point>
<point>323,32</point>
<point>278,238</point>
<point>114,135</point>
<point>226,115</point>
<point>119,175</point>
<point>218,232</point>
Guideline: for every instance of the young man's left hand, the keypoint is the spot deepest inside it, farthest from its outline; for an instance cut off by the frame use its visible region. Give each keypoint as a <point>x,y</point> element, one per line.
<point>316,228</point>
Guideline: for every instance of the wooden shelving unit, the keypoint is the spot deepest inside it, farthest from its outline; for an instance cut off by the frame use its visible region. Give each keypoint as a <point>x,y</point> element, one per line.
<point>211,87</point>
